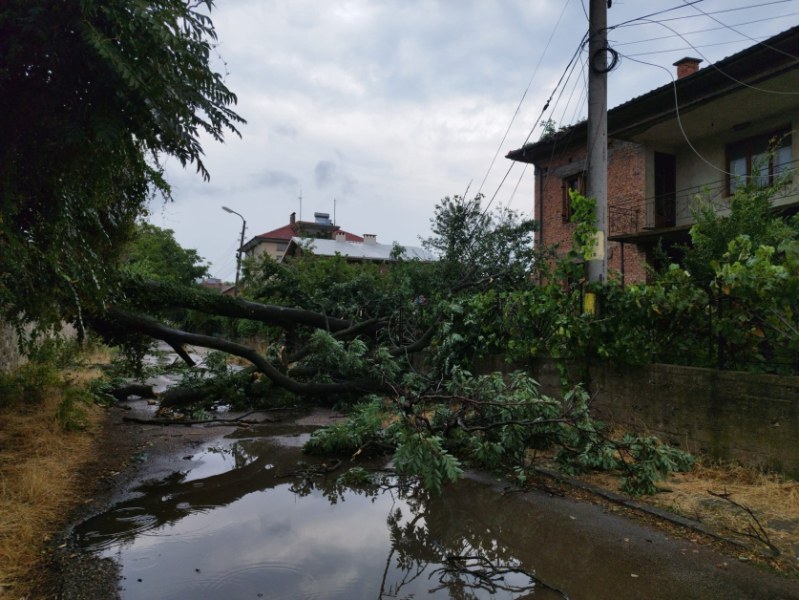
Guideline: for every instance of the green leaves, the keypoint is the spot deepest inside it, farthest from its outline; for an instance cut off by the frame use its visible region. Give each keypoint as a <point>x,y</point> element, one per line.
<point>154,254</point>
<point>425,456</point>
<point>94,94</point>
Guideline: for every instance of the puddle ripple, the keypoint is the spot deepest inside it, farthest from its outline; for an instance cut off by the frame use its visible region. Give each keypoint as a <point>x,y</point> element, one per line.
<point>284,581</point>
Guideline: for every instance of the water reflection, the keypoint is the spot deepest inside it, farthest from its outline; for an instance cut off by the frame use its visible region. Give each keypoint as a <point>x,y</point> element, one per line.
<point>262,523</point>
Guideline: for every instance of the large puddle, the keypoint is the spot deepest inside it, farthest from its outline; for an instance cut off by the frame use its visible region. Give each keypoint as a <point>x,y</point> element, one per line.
<point>253,518</point>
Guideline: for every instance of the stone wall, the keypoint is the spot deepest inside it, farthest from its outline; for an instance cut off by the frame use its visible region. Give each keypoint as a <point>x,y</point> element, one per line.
<point>747,417</point>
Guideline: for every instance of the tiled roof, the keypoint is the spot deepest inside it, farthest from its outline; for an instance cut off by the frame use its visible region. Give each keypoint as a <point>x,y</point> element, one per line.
<point>286,233</point>
<point>281,233</point>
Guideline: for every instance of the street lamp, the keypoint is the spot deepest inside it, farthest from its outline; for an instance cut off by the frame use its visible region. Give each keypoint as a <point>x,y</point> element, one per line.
<point>241,245</point>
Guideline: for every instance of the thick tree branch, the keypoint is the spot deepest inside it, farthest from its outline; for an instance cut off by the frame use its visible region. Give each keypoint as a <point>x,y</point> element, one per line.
<point>173,337</point>
<point>166,295</point>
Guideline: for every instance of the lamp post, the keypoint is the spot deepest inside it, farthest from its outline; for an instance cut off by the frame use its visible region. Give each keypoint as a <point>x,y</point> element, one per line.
<point>241,245</point>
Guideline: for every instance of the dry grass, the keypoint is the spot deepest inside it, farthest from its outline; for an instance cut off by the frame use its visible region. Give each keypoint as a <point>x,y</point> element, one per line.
<point>757,508</point>
<point>38,484</point>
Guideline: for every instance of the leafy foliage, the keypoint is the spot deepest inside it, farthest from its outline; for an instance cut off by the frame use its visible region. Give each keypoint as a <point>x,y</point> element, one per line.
<point>155,254</point>
<point>729,304</point>
<point>479,247</point>
<point>363,428</point>
<point>492,423</point>
<point>71,412</point>
<point>93,94</point>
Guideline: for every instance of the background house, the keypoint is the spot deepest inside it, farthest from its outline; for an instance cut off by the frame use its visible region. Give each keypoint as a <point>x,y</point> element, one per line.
<point>367,250</point>
<point>275,242</point>
<point>704,133</point>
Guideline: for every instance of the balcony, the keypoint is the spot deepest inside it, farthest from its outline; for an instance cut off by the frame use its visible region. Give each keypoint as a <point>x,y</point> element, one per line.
<point>623,220</point>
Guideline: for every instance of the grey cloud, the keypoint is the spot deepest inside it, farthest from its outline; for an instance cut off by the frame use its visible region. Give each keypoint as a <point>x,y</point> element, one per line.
<point>284,131</point>
<point>325,173</point>
<point>328,174</point>
<point>275,179</point>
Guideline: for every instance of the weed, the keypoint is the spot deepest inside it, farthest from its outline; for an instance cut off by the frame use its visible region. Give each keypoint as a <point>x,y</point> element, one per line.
<point>71,413</point>
<point>28,384</point>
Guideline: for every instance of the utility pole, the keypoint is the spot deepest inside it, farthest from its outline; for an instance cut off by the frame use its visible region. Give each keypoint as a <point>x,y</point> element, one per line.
<point>597,159</point>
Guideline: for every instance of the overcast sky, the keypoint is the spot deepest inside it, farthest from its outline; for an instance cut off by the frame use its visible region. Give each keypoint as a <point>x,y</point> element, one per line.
<point>374,110</point>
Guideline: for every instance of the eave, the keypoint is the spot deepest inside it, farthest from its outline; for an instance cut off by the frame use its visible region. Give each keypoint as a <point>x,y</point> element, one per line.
<point>751,67</point>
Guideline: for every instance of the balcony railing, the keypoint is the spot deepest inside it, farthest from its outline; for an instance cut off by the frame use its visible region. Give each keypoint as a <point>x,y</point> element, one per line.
<point>623,220</point>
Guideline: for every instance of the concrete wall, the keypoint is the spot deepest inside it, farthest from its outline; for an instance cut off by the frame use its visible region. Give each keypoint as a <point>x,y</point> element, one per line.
<point>10,357</point>
<point>747,417</point>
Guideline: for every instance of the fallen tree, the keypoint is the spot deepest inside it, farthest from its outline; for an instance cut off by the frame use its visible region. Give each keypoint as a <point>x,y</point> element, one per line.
<point>390,342</point>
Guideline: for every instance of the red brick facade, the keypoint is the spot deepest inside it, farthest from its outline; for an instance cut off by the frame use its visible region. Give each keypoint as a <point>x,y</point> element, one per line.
<point>626,205</point>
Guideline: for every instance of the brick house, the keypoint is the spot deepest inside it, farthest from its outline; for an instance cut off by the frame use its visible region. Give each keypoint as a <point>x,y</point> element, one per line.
<point>702,134</point>
<point>275,242</point>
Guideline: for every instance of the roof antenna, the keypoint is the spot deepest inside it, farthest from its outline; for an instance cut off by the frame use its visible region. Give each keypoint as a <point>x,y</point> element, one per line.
<point>300,198</point>
<point>334,211</point>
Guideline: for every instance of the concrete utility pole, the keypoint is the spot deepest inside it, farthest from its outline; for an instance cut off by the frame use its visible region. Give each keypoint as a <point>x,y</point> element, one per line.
<point>597,159</point>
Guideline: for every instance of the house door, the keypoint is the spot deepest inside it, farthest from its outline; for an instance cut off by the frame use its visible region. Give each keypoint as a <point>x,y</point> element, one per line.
<point>665,190</point>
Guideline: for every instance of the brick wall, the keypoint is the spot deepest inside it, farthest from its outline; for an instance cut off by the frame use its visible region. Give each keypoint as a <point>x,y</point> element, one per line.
<point>626,191</point>
<point>747,417</point>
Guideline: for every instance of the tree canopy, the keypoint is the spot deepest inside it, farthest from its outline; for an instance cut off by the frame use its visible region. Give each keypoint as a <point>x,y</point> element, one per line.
<point>154,254</point>
<point>92,95</point>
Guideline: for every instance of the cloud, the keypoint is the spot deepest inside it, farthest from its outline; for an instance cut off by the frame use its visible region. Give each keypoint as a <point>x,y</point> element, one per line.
<point>275,179</point>
<point>325,173</point>
<point>387,107</point>
<point>329,175</point>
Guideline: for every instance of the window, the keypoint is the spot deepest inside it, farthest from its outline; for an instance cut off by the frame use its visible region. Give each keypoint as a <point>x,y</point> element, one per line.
<point>759,159</point>
<point>573,182</point>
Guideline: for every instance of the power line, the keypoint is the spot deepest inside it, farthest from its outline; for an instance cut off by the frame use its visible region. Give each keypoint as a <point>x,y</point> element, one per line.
<point>646,21</point>
<point>568,68</point>
<point>689,47</point>
<point>654,14</point>
<point>716,67</point>
<point>699,10</point>
<point>524,95</point>
<point>706,30</point>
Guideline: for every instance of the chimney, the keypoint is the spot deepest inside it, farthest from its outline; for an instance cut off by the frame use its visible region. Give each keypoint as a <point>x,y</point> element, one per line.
<point>293,218</point>
<point>369,238</point>
<point>687,66</point>
<point>341,236</point>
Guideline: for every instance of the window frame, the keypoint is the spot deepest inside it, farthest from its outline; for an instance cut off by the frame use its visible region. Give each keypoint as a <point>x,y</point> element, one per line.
<point>749,149</point>
<point>578,179</point>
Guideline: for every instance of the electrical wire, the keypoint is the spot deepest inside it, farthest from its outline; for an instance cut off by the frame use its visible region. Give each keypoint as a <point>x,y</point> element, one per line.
<point>524,95</point>
<point>568,68</point>
<point>709,16</point>
<point>706,30</point>
<point>654,14</point>
<point>646,21</point>
<point>691,47</point>
<point>716,67</point>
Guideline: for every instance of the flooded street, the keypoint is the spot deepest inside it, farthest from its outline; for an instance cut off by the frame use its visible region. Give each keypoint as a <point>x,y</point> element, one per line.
<point>247,515</point>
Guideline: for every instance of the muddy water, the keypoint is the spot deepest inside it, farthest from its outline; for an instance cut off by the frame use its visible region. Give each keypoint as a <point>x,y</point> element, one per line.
<point>252,517</point>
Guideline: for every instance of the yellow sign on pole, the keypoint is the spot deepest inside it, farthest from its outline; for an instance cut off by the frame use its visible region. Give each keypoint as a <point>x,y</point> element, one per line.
<point>589,303</point>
